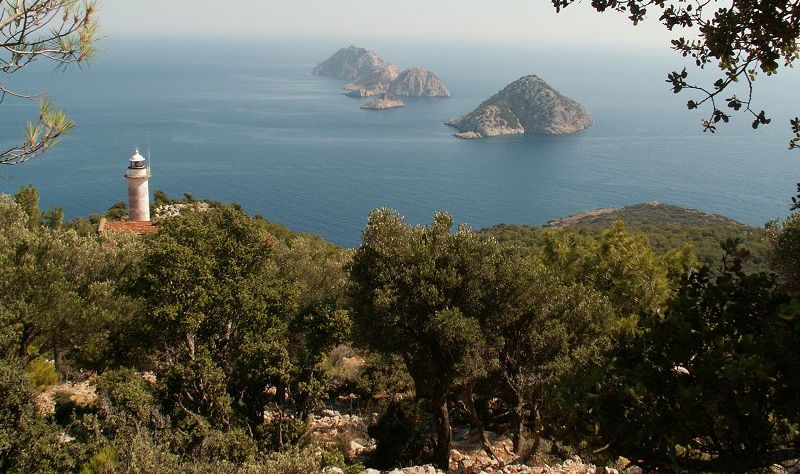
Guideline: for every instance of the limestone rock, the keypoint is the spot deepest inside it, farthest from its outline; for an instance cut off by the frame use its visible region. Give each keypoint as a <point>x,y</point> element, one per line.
<point>167,211</point>
<point>528,105</point>
<point>383,102</point>
<point>417,82</point>
<point>367,72</point>
<point>426,469</point>
<point>468,135</point>
<point>83,394</point>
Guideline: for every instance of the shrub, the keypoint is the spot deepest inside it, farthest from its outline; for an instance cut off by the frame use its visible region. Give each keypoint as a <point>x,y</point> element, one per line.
<point>292,461</point>
<point>336,459</point>
<point>41,373</point>
<point>103,462</point>
<point>286,431</point>
<point>126,391</point>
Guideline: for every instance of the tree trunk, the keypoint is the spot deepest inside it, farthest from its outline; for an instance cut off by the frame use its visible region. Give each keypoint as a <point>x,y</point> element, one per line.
<point>522,448</point>
<point>281,394</point>
<point>478,423</point>
<point>518,425</point>
<point>25,341</point>
<point>58,360</point>
<point>444,434</point>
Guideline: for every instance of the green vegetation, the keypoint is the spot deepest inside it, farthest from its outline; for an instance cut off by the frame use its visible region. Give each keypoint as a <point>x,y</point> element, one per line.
<point>667,228</point>
<point>212,344</point>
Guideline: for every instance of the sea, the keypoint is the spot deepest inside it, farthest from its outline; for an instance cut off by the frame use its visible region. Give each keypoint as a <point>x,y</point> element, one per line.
<point>247,122</point>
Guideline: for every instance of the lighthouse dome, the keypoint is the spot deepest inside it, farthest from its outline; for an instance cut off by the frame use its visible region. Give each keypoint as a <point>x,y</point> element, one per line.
<point>137,157</point>
<point>137,161</point>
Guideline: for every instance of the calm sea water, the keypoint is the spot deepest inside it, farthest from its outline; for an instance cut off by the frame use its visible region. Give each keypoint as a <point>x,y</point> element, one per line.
<point>248,123</point>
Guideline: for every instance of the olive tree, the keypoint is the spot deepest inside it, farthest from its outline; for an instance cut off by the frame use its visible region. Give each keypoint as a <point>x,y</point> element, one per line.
<point>541,327</point>
<point>708,384</point>
<point>217,315</point>
<point>420,293</point>
<point>61,292</point>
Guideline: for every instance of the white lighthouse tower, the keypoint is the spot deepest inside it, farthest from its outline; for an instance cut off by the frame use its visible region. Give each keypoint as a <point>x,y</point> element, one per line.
<point>138,190</point>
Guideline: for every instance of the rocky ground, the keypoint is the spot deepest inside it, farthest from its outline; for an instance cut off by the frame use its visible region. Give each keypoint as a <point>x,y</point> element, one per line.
<point>334,430</point>
<point>166,211</point>
<point>80,393</point>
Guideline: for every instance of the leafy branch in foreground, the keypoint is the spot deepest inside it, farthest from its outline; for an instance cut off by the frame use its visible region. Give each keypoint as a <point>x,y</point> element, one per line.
<point>62,31</point>
<point>52,124</point>
<point>742,37</point>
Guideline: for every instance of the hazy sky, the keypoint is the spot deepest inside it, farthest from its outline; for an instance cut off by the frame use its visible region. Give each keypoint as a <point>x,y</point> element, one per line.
<point>491,20</point>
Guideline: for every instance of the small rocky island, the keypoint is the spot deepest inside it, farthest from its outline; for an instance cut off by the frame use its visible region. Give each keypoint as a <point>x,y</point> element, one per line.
<point>383,102</point>
<point>528,105</point>
<point>369,75</point>
<point>417,82</point>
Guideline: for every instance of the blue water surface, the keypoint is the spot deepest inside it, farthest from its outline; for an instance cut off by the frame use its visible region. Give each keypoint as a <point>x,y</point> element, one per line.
<point>248,123</point>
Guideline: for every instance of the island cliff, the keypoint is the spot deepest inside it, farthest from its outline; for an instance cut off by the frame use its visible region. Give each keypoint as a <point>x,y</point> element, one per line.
<point>370,75</point>
<point>528,105</point>
<point>417,82</point>
<point>367,72</point>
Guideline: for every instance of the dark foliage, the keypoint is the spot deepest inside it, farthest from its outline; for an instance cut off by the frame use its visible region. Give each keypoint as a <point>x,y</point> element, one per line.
<point>709,384</point>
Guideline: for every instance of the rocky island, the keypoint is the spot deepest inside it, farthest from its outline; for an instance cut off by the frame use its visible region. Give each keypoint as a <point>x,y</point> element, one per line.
<point>528,105</point>
<point>370,75</point>
<point>383,102</point>
<point>417,82</point>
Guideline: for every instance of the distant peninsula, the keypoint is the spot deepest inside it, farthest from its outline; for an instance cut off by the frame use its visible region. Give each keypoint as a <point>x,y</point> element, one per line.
<point>528,105</point>
<point>369,75</point>
<point>647,214</point>
<point>667,227</point>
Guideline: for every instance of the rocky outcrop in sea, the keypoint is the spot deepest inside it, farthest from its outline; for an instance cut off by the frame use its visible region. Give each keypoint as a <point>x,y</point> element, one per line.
<point>417,82</point>
<point>383,102</point>
<point>368,73</point>
<point>528,105</point>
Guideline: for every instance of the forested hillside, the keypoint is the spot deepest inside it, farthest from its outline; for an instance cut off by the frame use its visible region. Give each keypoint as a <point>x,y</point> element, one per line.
<point>666,227</point>
<point>225,343</point>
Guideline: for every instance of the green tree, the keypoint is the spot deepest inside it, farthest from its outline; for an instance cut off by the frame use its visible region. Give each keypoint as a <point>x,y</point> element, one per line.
<point>784,251</point>
<point>117,211</point>
<point>708,385</point>
<point>28,198</point>
<point>60,291</point>
<point>541,328</point>
<point>219,315</point>
<point>620,265</point>
<point>28,442</point>
<point>62,31</point>
<point>420,293</point>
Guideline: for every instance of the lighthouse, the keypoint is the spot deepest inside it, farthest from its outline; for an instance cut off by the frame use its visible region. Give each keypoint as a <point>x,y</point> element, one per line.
<point>138,190</point>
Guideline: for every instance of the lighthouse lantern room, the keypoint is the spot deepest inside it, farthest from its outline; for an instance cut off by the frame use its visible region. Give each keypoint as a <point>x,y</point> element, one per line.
<point>138,190</point>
